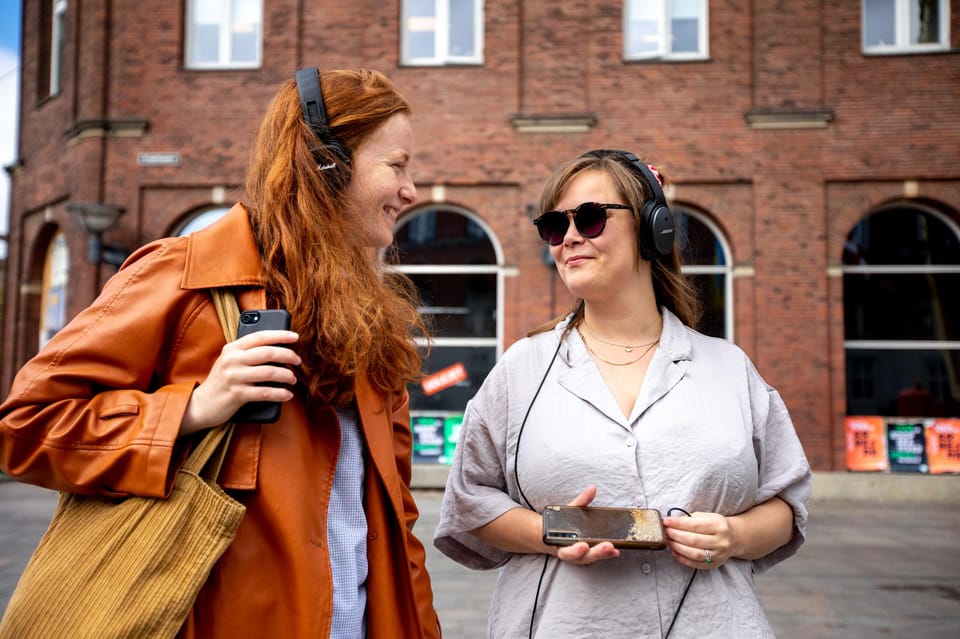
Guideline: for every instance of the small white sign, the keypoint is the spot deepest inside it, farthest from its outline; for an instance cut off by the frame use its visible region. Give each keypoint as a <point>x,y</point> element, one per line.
<point>158,159</point>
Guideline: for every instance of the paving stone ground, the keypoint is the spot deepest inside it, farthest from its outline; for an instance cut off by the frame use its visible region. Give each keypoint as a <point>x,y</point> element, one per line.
<point>867,570</point>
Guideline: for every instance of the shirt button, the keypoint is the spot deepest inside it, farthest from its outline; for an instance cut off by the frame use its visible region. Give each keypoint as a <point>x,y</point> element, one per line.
<point>646,568</point>
<point>630,441</point>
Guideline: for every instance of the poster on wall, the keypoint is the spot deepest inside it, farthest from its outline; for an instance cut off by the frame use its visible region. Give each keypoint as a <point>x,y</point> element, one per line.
<point>943,446</point>
<point>906,447</point>
<point>451,435</point>
<point>427,438</point>
<point>866,444</point>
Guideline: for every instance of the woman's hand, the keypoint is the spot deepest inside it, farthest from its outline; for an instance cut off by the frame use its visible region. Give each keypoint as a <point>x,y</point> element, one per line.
<point>232,382</point>
<point>707,540</point>
<point>582,553</point>
<point>702,540</point>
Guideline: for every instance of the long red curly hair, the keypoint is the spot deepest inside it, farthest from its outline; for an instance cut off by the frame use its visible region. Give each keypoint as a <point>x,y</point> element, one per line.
<point>354,317</point>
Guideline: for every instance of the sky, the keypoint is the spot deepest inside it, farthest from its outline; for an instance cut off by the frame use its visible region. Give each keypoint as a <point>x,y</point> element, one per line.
<point>9,91</point>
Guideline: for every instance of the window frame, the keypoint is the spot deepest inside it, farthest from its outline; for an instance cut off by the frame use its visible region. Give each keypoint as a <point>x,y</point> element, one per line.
<point>662,52</point>
<point>725,269</point>
<point>224,61</point>
<point>52,30</point>
<point>439,343</point>
<point>901,25</point>
<point>441,46</point>
<point>853,345</point>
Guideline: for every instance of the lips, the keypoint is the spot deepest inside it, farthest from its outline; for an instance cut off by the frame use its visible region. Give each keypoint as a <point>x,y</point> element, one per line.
<point>574,260</point>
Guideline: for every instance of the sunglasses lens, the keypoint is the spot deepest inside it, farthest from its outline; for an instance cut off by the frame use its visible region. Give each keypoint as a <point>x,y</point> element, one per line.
<point>590,219</point>
<point>552,226</point>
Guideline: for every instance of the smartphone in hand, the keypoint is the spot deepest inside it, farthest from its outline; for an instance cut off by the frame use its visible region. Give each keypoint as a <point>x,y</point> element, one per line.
<point>623,527</point>
<point>252,322</point>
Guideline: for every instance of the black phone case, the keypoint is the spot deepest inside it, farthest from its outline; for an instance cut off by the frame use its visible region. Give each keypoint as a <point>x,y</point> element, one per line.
<point>252,322</point>
<point>623,527</point>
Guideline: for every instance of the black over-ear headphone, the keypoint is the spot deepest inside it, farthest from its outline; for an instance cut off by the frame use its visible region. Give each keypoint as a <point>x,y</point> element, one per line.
<point>656,220</point>
<point>315,115</point>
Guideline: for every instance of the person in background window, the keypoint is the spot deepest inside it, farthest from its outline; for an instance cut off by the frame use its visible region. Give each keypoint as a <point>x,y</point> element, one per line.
<point>621,403</point>
<point>111,405</point>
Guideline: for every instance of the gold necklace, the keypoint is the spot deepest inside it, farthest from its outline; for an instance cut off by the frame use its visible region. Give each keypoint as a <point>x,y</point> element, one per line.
<point>627,347</point>
<point>648,348</point>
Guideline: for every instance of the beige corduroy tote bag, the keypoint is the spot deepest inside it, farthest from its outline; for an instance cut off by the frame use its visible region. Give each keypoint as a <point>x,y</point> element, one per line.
<point>130,568</point>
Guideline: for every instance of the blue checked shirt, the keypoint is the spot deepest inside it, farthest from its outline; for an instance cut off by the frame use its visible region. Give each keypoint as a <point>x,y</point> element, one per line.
<point>347,533</point>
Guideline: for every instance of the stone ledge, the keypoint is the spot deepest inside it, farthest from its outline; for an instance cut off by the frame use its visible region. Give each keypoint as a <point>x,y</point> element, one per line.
<point>827,486</point>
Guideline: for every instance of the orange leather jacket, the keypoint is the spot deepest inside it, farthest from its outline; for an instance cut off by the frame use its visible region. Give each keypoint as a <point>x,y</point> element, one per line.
<point>99,408</point>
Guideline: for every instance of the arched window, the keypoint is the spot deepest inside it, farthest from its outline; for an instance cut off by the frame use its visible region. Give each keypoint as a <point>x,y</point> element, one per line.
<point>201,219</point>
<point>56,278</point>
<point>450,256</point>
<point>901,304</point>
<point>704,252</point>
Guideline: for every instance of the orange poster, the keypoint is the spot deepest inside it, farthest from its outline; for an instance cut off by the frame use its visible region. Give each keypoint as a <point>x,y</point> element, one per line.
<point>943,446</point>
<point>866,444</point>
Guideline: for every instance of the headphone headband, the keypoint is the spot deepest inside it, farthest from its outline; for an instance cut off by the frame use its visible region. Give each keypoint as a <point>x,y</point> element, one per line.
<point>640,166</point>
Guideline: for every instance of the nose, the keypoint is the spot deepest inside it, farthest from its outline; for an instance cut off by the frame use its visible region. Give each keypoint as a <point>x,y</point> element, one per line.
<point>408,192</point>
<point>572,236</point>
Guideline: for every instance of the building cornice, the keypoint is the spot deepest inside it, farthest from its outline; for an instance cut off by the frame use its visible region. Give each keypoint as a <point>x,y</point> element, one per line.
<point>787,119</point>
<point>567,123</point>
<point>115,128</point>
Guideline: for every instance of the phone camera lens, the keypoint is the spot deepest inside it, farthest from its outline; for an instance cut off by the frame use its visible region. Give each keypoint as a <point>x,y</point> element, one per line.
<point>250,317</point>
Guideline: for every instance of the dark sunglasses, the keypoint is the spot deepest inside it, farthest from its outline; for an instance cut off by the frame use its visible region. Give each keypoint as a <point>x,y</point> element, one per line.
<point>590,218</point>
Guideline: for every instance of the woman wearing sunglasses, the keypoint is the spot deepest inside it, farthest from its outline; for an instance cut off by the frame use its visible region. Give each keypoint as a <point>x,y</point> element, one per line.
<point>621,403</point>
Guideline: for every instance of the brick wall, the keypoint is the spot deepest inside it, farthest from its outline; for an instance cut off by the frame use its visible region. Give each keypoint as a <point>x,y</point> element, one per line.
<point>784,198</point>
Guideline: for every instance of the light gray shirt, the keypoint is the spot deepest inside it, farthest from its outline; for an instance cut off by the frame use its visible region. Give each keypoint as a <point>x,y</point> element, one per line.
<point>706,434</point>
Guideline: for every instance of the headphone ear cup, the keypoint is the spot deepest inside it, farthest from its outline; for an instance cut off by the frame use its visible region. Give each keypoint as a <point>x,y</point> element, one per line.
<point>337,172</point>
<point>662,229</point>
<point>656,230</point>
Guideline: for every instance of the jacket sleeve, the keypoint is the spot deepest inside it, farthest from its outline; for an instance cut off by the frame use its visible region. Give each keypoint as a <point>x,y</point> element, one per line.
<point>96,411</point>
<point>416,554</point>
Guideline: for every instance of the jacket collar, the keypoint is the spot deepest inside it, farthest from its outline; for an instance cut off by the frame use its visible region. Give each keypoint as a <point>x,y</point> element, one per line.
<point>223,254</point>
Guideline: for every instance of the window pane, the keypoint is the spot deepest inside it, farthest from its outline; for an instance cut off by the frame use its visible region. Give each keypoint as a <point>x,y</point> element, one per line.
<point>697,243</point>
<point>713,295</point>
<point>643,27</point>
<point>684,26</point>
<point>453,240</point>
<point>459,305</point>
<point>477,361</point>
<point>908,383</point>
<point>206,43</point>
<point>462,28</point>
<point>202,220</point>
<point>893,306</point>
<point>904,237</point>
<point>420,28</point>
<point>878,23</point>
<point>924,21</point>
<point>244,46</point>
<point>421,44</point>
<point>245,31</point>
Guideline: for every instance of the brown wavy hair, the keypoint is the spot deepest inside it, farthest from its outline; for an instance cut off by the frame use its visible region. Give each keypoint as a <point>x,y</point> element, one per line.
<point>671,287</point>
<point>354,317</point>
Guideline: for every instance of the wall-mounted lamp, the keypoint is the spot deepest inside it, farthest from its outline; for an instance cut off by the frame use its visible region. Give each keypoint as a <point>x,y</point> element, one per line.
<point>96,219</point>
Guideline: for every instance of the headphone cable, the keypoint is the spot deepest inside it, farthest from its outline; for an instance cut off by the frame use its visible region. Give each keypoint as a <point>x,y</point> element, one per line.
<point>516,477</point>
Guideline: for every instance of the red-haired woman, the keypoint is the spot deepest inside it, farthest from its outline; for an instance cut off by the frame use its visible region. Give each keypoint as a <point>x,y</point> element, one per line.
<point>109,406</point>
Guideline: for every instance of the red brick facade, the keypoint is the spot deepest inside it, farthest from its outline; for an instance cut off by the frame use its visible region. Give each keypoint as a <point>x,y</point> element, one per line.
<point>864,128</point>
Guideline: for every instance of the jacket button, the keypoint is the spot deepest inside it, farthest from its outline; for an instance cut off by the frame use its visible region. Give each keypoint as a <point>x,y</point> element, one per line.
<point>316,541</point>
<point>372,535</point>
<point>646,568</point>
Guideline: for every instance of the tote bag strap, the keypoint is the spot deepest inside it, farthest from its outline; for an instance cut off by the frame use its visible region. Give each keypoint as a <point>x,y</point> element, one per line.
<point>218,438</point>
